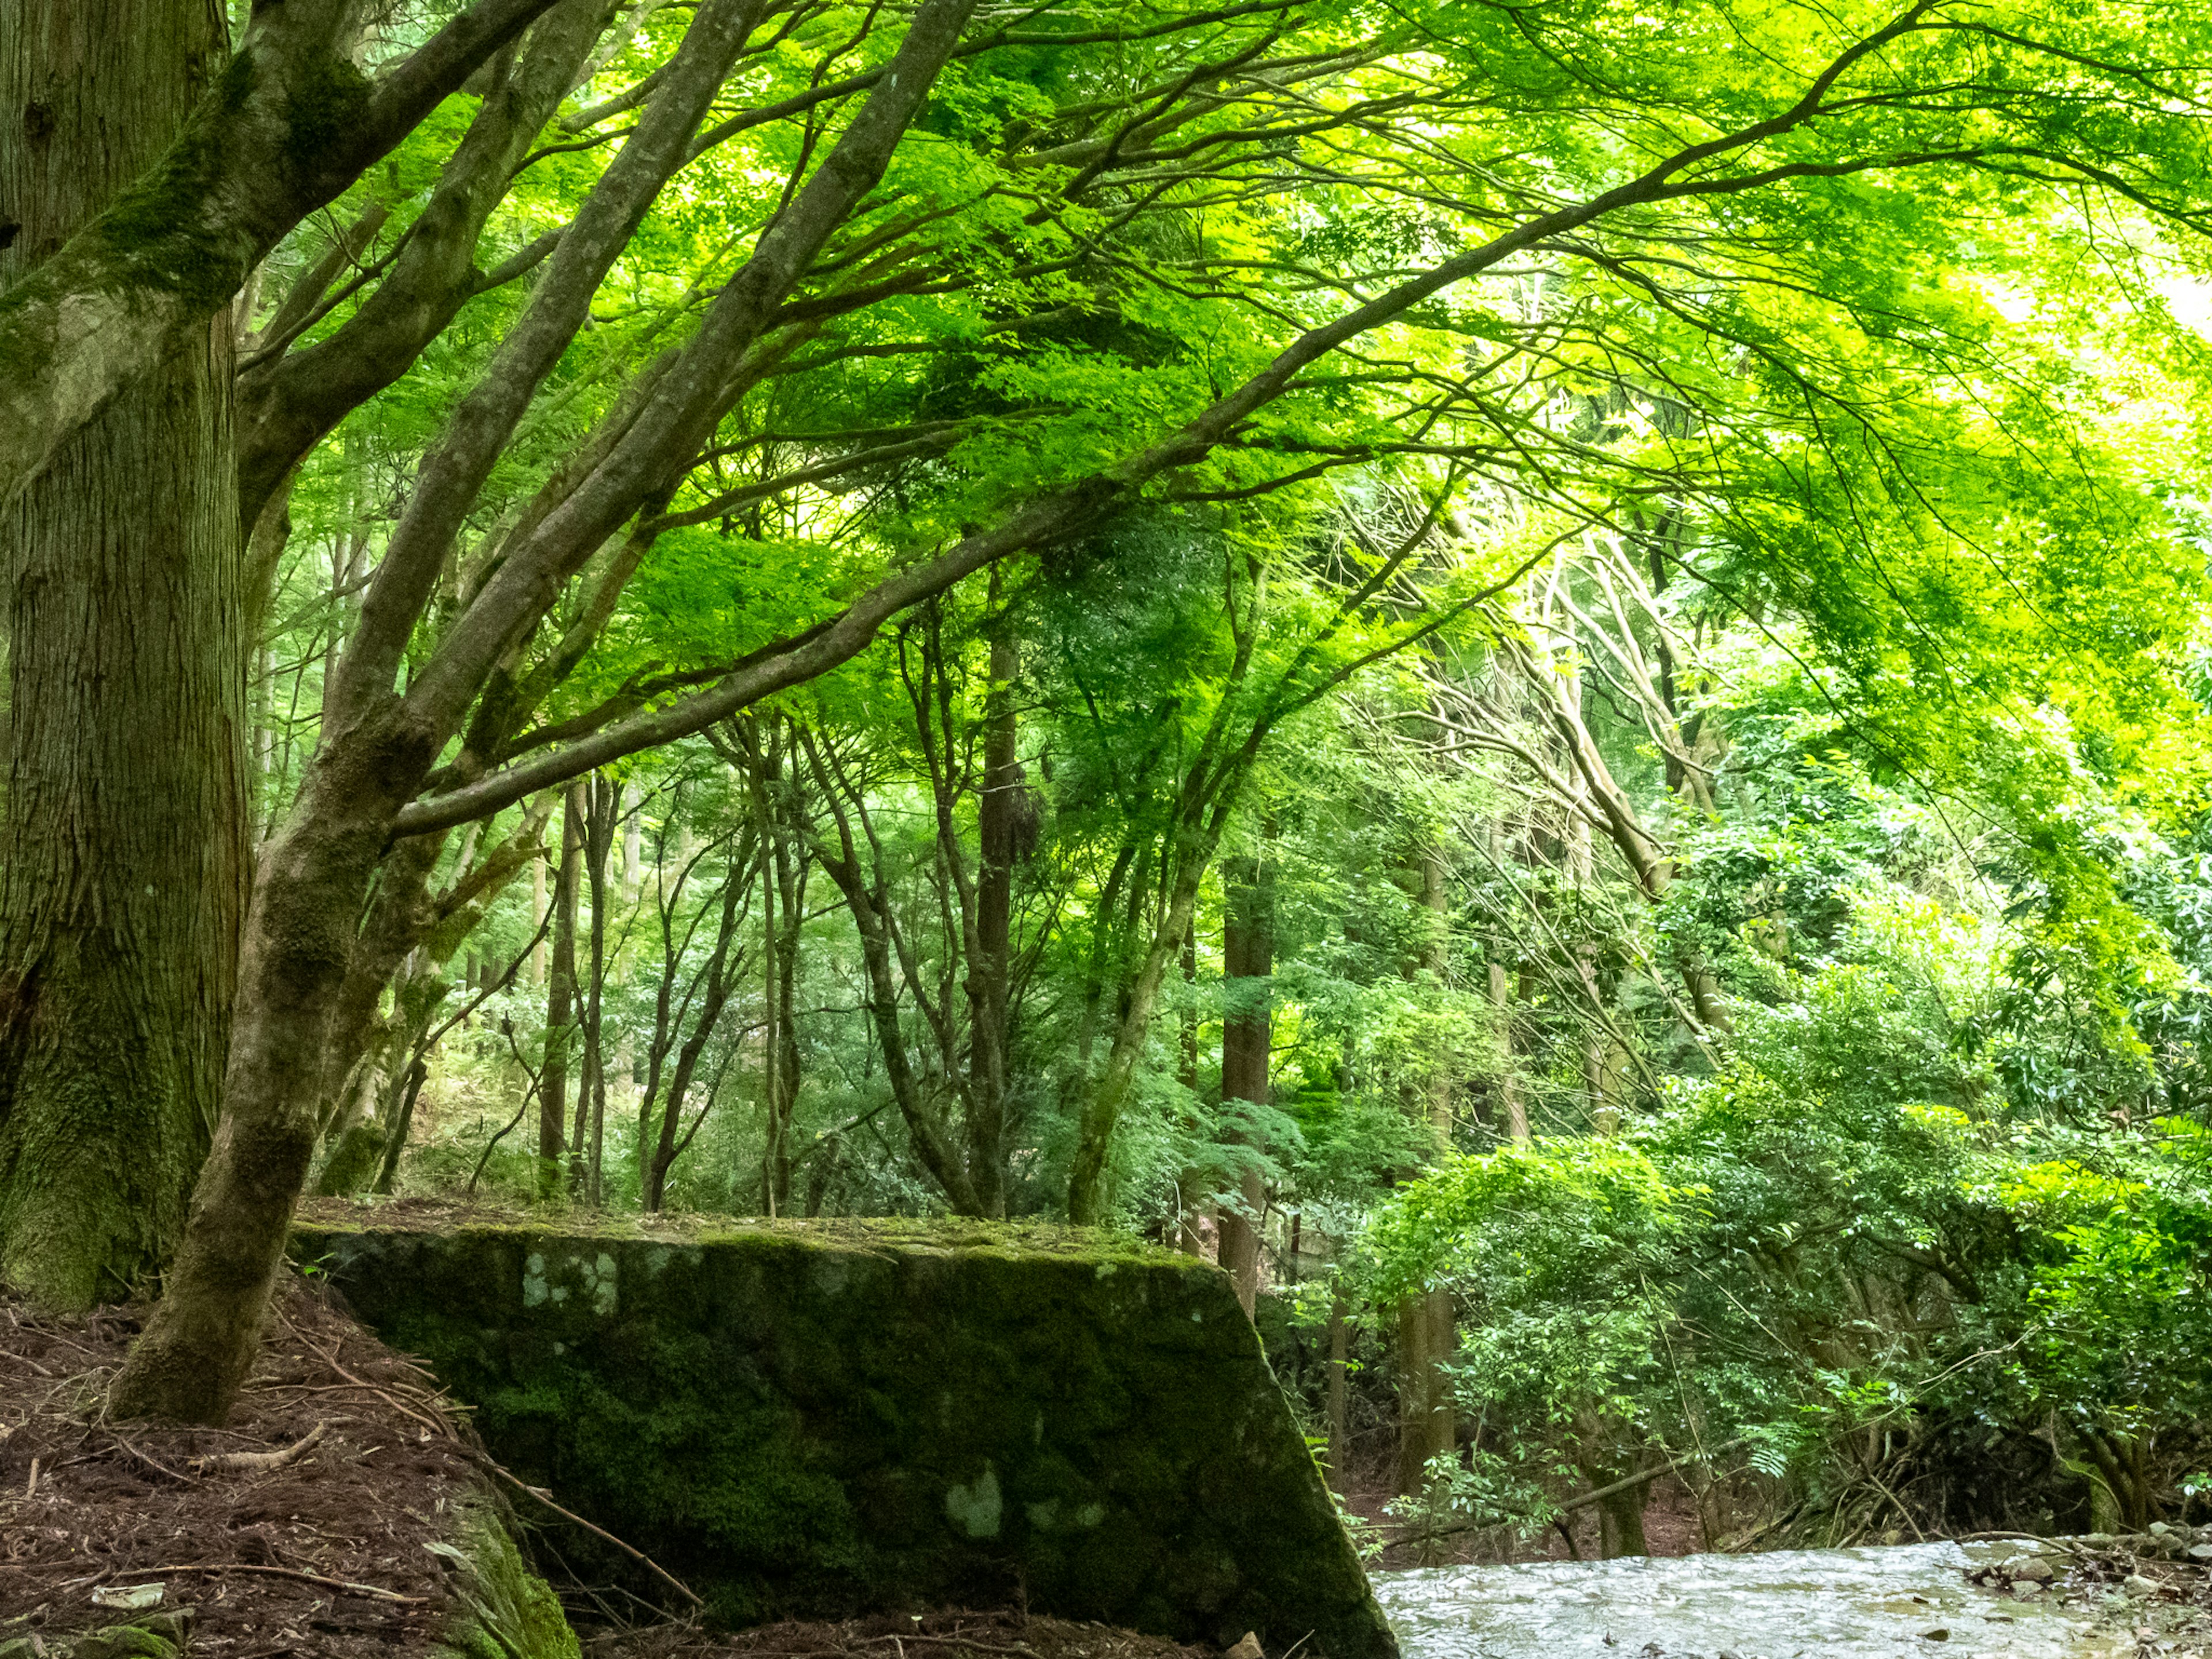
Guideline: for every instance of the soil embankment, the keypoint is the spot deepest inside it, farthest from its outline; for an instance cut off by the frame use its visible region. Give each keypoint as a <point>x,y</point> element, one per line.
<point>340,1512</point>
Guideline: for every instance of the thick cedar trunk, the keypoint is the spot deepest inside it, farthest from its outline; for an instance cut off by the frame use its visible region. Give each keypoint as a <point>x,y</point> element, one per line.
<point>560,998</point>
<point>123,835</point>
<point>1247,958</point>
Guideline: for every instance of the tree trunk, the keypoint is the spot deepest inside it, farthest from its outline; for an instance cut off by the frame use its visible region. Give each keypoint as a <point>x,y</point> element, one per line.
<point>123,835</point>
<point>772,1125</point>
<point>1190,1182</point>
<point>1340,1433</point>
<point>990,975</point>
<point>587,1158</point>
<point>1509,1076</point>
<point>792,877</point>
<point>1427,1426</point>
<point>1247,959</point>
<point>1414,1374</point>
<point>560,999</point>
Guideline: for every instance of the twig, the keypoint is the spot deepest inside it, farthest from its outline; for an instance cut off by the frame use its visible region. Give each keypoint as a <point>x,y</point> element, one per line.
<point>260,1462</point>
<point>331,1359</point>
<point>287,1572</point>
<point>633,1552</point>
<point>157,1467</point>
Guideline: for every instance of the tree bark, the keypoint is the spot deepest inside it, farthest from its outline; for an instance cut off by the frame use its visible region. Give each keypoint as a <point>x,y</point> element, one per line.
<point>123,849</point>
<point>772,1124</point>
<point>1508,1076</point>
<point>560,998</point>
<point>211,186</point>
<point>587,1153</point>
<point>1340,1432</point>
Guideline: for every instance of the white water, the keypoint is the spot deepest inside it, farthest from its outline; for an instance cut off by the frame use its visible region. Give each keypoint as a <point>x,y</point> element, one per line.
<point>1787,1604</point>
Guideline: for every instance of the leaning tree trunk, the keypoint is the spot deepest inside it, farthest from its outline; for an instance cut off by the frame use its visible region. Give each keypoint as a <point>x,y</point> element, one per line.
<point>122,833</point>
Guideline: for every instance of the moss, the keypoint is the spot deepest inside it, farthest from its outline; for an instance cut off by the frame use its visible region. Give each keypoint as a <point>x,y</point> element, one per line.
<point>156,234</point>
<point>508,1612</point>
<point>326,103</point>
<point>158,1636</point>
<point>817,1421</point>
<point>352,1162</point>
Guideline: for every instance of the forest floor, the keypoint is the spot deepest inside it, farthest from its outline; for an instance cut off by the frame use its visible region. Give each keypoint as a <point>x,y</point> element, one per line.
<point>299,1527</point>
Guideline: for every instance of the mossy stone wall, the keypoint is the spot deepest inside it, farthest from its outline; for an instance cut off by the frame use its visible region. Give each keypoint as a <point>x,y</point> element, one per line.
<point>814,1422</point>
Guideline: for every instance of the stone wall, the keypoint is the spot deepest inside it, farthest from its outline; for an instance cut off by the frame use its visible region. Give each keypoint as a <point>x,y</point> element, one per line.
<point>810,1420</point>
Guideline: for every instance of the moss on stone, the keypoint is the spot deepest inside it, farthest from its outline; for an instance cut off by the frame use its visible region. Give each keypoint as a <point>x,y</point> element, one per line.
<point>809,1422</point>
<point>508,1612</point>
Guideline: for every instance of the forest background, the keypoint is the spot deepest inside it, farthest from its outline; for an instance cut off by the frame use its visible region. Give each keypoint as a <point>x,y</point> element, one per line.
<point>1538,671</point>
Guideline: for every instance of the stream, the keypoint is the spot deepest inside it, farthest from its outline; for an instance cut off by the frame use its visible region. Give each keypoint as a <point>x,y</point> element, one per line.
<point>1875,1603</point>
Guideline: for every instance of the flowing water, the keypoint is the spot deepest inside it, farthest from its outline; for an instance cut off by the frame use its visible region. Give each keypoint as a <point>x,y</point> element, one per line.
<point>1911,1600</point>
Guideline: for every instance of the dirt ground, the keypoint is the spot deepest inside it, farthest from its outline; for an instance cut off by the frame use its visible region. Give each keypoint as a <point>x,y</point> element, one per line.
<point>322,1553</point>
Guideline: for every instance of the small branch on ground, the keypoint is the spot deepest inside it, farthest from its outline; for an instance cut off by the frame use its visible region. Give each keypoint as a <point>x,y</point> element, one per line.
<point>260,1462</point>
<point>369,1590</point>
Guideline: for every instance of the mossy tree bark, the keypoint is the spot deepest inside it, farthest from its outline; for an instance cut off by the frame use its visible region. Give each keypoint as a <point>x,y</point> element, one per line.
<point>123,835</point>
